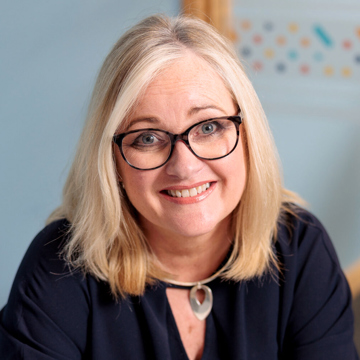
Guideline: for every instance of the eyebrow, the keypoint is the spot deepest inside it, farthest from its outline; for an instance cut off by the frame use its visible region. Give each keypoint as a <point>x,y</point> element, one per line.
<point>153,120</point>
<point>194,110</point>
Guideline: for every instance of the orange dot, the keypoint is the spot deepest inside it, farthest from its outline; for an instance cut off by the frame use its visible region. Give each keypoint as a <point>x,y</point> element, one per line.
<point>293,27</point>
<point>358,31</point>
<point>245,25</point>
<point>305,42</point>
<point>281,40</point>
<point>346,72</point>
<point>328,70</point>
<point>269,53</point>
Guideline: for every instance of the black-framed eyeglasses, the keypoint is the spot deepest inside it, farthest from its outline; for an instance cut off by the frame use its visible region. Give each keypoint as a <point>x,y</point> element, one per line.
<point>149,149</point>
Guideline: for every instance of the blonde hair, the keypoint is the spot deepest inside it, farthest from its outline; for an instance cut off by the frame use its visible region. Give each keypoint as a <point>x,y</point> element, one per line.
<point>105,238</point>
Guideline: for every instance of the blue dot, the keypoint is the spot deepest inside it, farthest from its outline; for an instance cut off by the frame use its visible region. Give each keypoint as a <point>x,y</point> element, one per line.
<point>357,58</point>
<point>293,55</point>
<point>268,26</point>
<point>246,51</point>
<point>280,67</point>
<point>318,56</point>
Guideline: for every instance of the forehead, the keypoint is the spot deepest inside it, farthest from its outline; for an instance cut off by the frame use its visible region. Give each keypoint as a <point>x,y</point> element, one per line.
<point>188,89</point>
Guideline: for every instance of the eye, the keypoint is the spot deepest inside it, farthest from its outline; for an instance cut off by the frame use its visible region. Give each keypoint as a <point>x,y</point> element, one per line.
<point>147,139</point>
<point>208,128</point>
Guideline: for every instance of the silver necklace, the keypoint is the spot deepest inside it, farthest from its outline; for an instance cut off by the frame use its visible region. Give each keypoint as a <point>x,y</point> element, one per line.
<point>200,310</point>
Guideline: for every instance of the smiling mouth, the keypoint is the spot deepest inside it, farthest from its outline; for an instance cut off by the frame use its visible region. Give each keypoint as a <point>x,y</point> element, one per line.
<point>188,192</point>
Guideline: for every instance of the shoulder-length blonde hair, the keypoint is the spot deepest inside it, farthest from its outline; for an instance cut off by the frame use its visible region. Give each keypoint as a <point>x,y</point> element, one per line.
<point>105,238</point>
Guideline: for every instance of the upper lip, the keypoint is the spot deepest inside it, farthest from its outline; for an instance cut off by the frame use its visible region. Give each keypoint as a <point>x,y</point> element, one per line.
<point>184,187</point>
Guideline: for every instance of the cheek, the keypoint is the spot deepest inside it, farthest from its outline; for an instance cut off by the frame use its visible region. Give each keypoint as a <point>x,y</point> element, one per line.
<point>237,171</point>
<point>137,184</point>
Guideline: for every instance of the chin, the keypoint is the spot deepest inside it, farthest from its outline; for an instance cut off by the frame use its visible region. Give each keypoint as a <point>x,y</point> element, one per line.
<point>197,227</point>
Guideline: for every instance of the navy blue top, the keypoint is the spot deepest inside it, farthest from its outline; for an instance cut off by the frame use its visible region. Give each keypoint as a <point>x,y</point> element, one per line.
<point>302,314</point>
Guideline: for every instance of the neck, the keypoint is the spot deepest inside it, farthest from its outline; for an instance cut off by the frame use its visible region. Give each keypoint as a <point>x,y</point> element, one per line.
<point>190,258</point>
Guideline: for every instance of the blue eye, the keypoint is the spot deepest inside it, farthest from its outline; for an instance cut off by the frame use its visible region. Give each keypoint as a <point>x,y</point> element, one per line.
<point>208,128</point>
<point>148,139</point>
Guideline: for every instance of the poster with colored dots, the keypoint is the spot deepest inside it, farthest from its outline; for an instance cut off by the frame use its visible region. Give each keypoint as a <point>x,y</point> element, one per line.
<point>293,38</point>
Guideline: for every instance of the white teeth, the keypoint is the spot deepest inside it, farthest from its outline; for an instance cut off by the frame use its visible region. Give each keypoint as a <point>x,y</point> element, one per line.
<point>193,192</point>
<point>185,193</point>
<point>189,192</point>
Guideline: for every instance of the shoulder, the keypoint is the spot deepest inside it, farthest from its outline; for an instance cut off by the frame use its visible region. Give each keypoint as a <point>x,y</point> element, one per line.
<point>48,298</point>
<point>316,298</point>
<point>300,233</point>
<point>43,273</point>
<point>46,247</point>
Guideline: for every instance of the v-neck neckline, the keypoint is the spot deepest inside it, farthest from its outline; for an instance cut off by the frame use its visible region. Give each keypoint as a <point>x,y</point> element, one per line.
<point>176,332</point>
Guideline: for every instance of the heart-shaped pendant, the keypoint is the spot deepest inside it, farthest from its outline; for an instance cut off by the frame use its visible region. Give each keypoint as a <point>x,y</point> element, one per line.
<point>201,310</point>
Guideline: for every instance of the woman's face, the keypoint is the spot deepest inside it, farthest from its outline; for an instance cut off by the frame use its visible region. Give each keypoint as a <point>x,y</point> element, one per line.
<point>185,93</point>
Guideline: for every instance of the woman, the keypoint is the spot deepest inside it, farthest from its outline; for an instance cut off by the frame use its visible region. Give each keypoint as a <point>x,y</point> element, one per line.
<point>175,238</point>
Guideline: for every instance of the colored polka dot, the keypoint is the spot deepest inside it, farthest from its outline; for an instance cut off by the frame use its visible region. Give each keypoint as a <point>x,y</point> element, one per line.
<point>280,67</point>
<point>346,72</point>
<point>318,56</point>
<point>268,26</point>
<point>257,39</point>
<point>293,28</point>
<point>358,32</point>
<point>328,70</point>
<point>357,59</point>
<point>347,44</point>
<point>304,69</point>
<point>246,51</point>
<point>305,42</point>
<point>269,53</point>
<point>293,55</point>
<point>257,65</point>
<point>245,25</point>
<point>281,40</point>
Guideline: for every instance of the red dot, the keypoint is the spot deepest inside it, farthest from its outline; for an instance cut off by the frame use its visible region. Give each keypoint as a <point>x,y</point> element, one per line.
<point>347,44</point>
<point>257,65</point>
<point>257,39</point>
<point>304,69</point>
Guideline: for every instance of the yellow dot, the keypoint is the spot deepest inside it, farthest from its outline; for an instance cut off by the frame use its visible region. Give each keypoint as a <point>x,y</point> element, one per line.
<point>305,42</point>
<point>328,70</point>
<point>346,72</point>
<point>281,40</point>
<point>293,27</point>
<point>246,25</point>
<point>269,53</point>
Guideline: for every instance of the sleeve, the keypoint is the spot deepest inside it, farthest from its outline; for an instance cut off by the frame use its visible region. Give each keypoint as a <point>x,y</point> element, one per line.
<point>320,322</point>
<point>48,306</point>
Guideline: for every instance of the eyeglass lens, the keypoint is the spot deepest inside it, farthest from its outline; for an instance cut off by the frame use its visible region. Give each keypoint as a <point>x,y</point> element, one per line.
<point>147,149</point>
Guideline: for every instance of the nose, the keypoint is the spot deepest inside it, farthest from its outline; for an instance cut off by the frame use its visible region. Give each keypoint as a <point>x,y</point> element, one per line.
<point>183,163</point>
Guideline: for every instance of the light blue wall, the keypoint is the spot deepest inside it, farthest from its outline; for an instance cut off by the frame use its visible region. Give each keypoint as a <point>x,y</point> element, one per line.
<point>50,52</point>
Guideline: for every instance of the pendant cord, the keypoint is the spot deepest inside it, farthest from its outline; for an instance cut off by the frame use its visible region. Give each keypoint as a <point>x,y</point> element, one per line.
<point>193,283</point>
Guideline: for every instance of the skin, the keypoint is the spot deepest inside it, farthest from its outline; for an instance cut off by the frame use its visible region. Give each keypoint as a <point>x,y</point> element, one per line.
<point>185,233</point>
